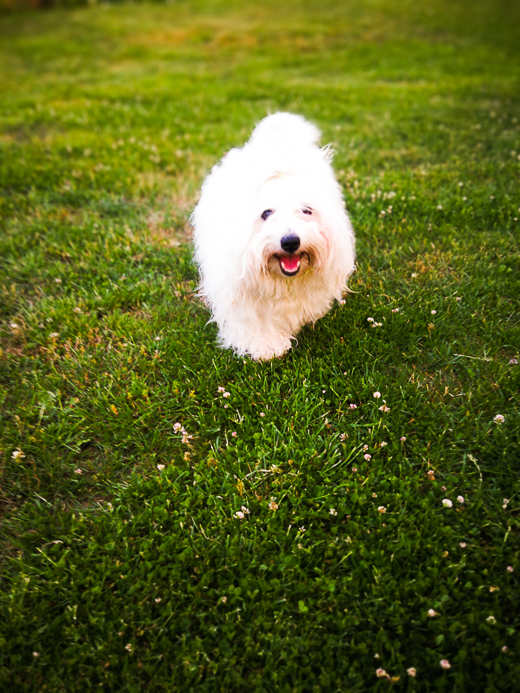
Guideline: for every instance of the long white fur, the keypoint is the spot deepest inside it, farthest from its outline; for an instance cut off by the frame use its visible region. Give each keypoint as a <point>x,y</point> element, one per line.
<point>258,310</point>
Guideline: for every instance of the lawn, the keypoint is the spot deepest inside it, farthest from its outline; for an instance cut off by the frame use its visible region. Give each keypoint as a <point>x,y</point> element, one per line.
<point>175,518</point>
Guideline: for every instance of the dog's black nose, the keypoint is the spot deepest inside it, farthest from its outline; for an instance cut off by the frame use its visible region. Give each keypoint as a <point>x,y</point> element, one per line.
<point>290,243</point>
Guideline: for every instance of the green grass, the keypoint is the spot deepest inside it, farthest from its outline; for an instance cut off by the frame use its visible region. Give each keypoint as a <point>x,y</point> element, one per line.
<point>121,575</point>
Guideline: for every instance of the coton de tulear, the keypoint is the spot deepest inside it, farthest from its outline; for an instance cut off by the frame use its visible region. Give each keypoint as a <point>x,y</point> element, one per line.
<point>273,243</point>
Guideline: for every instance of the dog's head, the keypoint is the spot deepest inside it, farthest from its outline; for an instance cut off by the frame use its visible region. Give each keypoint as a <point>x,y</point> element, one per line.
<point>292,234</point>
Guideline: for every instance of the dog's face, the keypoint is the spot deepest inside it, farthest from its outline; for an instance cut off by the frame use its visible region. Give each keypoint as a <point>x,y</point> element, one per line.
<point>290,236</point>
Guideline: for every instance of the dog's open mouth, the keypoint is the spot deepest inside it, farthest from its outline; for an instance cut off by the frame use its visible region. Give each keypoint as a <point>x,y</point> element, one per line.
<point>290,264</point>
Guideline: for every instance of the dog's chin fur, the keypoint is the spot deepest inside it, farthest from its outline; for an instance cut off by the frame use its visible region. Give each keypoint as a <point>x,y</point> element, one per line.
<point>279,186</point>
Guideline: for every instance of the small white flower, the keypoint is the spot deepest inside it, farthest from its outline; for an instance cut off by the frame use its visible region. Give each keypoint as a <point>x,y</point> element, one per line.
<point>157,600</point>
<point>377,395</point>
<point>460,499</point>
<point>504,648</point>
<point>14,326</point>
<point>332,511</point>
<point>382,509</point>
<point>445,664</point>
<point>239,515</point>
<point>343,437</point>
<point>414,274</point>
<point>509,569</point>
<point>223,600</point>
<point>78,471</point>
<point>352,406</point>
<point>17,454</point>
<point>36,654</point>
<point>384,443</point>
<point>431,474</point>
<point>432,613</point>
<point>395,310</point>
<point>273,505</point>
<point>462,544</point>
<point>157,339</point>
<point>491,619</point>
<point>447,503</point>
<point>374,495</point>
<point>57,280</point>
<point>221,389</point>
<point>262,414</point>
<point>128,647</point>
<point>384,408</point>
<point>434,312</point>
<point>370,319</point>
<point>411,671</point>
<point>513,362</point>
<point>402,439</point>
<point>245,510</point>
<point>177,427</point>
<point>367,457</point>
<point>53,335</point>
<point>160,467</point>
<point>439,206</point>
<point>226,395</point>
<point>499,419</point>
<point>234,434</point>
<point>381,673</point>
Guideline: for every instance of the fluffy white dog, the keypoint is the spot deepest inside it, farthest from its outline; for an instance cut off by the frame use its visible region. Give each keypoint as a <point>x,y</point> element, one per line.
<point>273,242</point>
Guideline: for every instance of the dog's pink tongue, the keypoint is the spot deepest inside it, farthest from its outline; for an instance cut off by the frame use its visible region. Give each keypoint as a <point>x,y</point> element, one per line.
<point>290,263</point>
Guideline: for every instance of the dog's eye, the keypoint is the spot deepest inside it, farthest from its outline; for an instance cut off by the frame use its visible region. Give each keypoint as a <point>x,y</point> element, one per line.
<point>266,213</point>
<point>307,210</point>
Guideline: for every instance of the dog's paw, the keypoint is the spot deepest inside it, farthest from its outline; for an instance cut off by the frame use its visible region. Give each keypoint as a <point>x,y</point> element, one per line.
<point>269,351</point>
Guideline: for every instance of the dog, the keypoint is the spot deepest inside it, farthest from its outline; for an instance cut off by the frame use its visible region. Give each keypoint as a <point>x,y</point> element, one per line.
<point>273,243</point>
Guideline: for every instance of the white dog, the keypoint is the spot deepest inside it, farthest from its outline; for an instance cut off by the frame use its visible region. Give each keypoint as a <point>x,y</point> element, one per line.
<point>273,242</point>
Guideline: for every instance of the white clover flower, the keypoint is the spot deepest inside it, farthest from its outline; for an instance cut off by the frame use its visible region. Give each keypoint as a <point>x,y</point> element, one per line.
<point>432,613</point>
<point>352,406</point>
<point>447,503</point>
<point>374,495</point>
<point>239,515</point>
<point>245,510</point>
<point>160,467</point>
<point>383,444</point>
<point>491,619</point>
<point>462,544</point>
<point>273,505</point>
<point>221,389</point>
<point>460,499</point>
<point>402,439</point>
<point>234,434</point>
<point>509,569</point>
<point>395,310</point>
<point>128,647</point>
<point>78,471</point>
<point>445,664</point>
<point>411,671</point>
<point>504,648</point>
<point>513,362</point>
<point>434,312</point>
<point>381,673</point>
<point>377,395</point>
<point>223,600</point>
<point>177,427</point>
<point>17,455</point>
<point>431,474</point>
<point>157,600</point>
<point>53,335</point>
<point>36,654</point>
<point>370,319</point>
<point>262,414</point>
<point>226,394</point>
<point>367,457</point>
<point>343,437</point>
<point>14,326</point>
<point>384,408</point>
<point>333,511</point>
<point>382,509</point>
<point>499,419</point>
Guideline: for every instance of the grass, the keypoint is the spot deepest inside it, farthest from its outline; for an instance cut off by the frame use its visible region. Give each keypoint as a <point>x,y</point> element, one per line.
<point>125,566</point>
